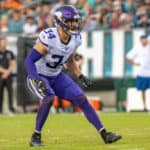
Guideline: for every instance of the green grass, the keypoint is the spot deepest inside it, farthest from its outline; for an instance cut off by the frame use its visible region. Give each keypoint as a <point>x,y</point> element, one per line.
<point>73,132</point>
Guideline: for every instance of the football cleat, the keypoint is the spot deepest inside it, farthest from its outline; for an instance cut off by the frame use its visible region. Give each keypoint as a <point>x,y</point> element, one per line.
<point>36,140</point>
<point>110,137</point>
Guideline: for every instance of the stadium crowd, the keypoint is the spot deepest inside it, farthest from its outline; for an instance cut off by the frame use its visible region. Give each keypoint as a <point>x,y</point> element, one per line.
<point>32,16</point>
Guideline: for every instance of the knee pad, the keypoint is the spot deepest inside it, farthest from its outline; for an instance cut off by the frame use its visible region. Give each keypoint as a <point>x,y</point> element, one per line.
<point>82,101</point>
<point>48,100</point>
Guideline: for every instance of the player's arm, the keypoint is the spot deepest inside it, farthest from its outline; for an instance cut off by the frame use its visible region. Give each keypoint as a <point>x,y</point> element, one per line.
<point>34,55</point>
<point>12,63</point>
<point>131,61</point>
<point>7,72</point>
<point>130,57</point>
<point>2,70</point>
<point>71,65</point>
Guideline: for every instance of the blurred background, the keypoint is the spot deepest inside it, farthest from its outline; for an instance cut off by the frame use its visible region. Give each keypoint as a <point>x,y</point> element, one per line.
<point>110,29</point>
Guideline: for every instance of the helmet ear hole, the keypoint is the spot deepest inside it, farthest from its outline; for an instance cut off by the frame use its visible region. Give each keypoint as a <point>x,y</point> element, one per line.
<point>59,22</point>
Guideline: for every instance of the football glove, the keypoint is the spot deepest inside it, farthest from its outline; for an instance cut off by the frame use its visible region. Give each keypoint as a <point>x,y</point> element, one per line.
<point>40,85</point>
<point>85,82</point>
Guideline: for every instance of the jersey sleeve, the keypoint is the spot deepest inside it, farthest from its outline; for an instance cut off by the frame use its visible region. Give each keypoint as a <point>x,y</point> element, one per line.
<point>132,54</point>
<point>10,55</point>
<point>43,38</point>
<point>46,36</point>
<point>78,40</point>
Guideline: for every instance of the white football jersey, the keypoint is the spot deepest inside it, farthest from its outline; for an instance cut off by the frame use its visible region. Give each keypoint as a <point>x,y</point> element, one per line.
<point>141,55</point>
<point>57,52</point>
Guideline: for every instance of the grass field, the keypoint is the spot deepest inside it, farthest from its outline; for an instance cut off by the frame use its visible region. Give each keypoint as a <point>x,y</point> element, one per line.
<point>73,132</point>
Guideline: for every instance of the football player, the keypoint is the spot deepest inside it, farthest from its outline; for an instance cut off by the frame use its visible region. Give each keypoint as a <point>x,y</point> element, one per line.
<point>54,47</point>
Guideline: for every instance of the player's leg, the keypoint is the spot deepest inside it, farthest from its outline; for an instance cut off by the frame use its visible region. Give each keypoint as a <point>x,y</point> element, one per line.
<point>142,84</point>
<point>69,90</point>
<point>10,94</point>
<point>1,95</point>
<point>143,95</point>
<point>91,115</point>
<point>43,111</point>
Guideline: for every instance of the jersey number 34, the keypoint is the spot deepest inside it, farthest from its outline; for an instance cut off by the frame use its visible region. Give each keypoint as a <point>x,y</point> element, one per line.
<point>56,63</point>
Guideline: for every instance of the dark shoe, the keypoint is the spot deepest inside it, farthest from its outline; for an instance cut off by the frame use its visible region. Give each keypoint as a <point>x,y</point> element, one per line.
<point>145,110</point>
<point>109,137</point>
<point>36,140</point>
<point>12,109</point>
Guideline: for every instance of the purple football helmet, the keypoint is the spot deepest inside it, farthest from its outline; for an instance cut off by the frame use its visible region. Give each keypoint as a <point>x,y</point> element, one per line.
<point>67,18</point>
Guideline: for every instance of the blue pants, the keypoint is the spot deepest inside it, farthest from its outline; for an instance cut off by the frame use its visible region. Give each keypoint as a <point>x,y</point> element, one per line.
<point>142,83</point>
<point>62,86</point>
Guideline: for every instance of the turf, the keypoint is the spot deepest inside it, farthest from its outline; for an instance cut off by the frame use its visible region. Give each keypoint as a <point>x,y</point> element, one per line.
<point>73,132</point>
